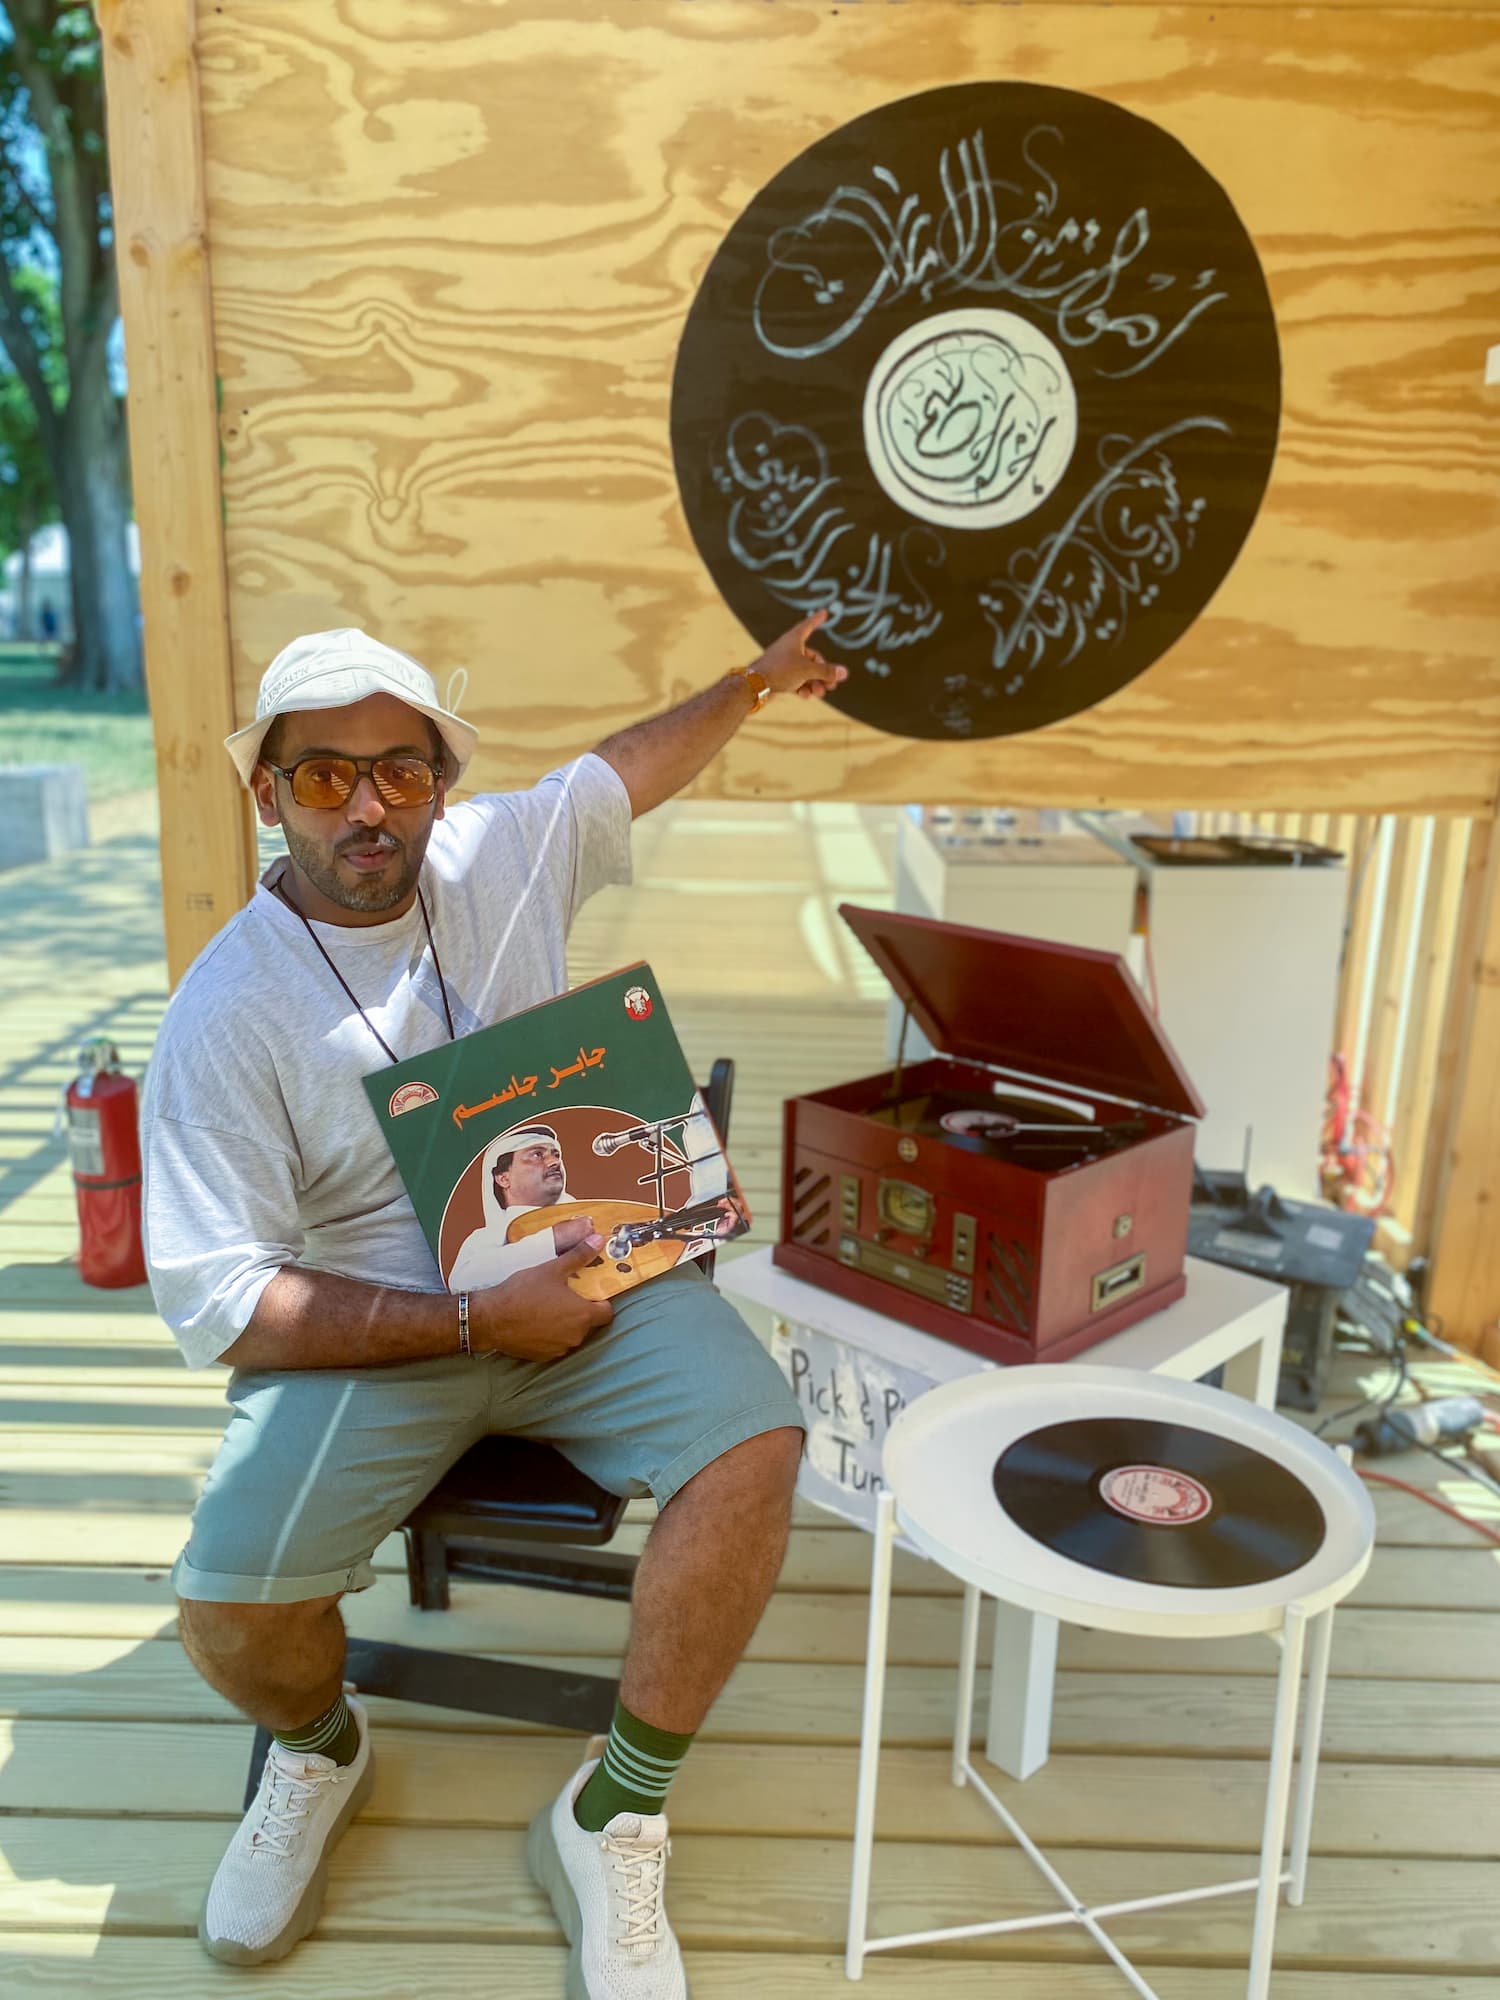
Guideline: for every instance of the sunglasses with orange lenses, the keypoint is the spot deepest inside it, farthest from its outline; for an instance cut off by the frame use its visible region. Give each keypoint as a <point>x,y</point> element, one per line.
<point>327,782</point>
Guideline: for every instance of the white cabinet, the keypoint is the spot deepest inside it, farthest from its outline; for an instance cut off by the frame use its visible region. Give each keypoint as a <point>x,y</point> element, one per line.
<point>1246,961</point>
<point>1247,970</point>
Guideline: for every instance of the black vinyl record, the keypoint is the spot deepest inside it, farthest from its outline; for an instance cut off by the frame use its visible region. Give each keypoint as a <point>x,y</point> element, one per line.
<point>1002,1113</point>
<point>1159,1503</point>
<point>991,375</point>
<point>1002,1125</point>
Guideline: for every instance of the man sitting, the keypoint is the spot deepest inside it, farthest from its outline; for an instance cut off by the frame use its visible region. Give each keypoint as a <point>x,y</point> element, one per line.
<point>280,1241</point>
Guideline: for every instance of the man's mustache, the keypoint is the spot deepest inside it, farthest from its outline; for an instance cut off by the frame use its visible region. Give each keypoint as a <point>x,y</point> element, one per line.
<point>380,839</point>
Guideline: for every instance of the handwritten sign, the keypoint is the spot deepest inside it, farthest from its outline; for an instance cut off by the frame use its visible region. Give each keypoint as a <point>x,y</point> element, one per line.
<point>850,1399</point>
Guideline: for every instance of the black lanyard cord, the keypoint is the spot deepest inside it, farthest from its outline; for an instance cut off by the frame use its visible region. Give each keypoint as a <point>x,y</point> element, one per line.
<point>354,1003</point>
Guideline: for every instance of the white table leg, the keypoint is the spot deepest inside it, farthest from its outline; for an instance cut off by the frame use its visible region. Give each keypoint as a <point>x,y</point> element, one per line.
<point>869,1736</point>
<point>1021,1682</point>
<point>1253,1372</point>
<point>1278,1796</point>
<point>1307,1763</point>
<point>968,1661</point>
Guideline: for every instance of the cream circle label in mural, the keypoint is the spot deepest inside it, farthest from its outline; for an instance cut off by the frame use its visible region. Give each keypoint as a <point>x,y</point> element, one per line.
<point>989,374</point>
<point>970,418</point>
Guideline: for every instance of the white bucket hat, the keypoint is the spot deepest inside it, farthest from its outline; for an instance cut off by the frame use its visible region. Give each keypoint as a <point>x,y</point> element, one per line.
<point>335,669</point>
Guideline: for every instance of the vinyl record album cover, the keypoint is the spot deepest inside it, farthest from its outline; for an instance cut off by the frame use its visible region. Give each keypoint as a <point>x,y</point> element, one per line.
<point>510,1141</point>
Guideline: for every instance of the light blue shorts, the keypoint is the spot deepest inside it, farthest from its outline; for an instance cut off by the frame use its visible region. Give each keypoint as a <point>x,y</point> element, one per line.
<point>318,1466</point>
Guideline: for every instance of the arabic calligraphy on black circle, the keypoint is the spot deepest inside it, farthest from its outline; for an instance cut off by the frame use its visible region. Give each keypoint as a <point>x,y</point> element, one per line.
<point>990,375</point>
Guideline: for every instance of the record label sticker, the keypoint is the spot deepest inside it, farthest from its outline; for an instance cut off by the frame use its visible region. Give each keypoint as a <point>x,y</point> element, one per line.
<point>1155,1494</point>
<point>984,1124</point>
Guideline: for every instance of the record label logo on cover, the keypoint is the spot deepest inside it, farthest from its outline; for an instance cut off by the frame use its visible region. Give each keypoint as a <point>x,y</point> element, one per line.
<point>1156,1494</point>
<point>410,1096</point>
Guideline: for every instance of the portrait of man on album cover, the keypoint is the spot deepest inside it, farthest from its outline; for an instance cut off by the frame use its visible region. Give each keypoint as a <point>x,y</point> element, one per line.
<point>538,1189</point>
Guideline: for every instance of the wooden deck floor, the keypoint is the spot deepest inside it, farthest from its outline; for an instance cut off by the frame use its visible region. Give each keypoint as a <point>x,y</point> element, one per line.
<point>120,1772</point>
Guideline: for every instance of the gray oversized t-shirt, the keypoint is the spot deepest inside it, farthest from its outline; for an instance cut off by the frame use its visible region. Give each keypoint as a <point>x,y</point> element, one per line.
<point>259,1145</point>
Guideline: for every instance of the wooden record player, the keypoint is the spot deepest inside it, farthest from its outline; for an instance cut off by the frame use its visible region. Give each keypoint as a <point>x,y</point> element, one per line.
<point>1026,1192</point>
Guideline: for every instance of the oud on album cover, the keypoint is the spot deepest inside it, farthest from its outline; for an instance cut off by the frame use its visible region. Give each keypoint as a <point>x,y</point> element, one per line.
<point>581,1112</point>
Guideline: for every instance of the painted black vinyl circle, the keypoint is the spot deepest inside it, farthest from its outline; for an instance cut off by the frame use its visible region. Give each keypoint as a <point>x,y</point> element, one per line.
<point>991,373</point>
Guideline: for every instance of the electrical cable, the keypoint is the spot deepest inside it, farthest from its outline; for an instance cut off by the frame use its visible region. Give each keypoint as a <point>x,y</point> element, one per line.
<point>1386,1479</point>
<point>1466,1465</point>
<point>1461,1355</point>
<point>1382,1400</point>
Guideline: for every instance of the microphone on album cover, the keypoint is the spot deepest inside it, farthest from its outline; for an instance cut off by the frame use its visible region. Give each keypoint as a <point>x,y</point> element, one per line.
<point>611,1142</point>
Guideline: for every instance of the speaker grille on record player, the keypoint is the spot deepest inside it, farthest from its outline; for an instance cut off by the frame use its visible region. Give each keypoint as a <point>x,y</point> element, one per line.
<point>811,1203</point>
<point>1008,1278</point>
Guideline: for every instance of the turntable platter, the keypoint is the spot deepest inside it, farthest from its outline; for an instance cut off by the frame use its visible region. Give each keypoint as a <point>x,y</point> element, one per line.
<point>1029,1130</point>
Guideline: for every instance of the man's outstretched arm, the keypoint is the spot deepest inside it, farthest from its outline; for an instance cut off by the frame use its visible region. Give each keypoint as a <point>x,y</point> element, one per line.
<point>657,757</point>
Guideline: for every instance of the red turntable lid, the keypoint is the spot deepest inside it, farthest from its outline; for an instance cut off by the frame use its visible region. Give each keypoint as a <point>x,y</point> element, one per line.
<point>1055,1011</point>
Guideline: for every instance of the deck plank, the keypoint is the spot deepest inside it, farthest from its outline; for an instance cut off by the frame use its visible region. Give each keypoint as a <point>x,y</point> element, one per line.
<point>828,1561</point>
<point>44,1965</point>
<point>430,1777</point>
<point>738,1892</point>
<point>1181,1713</point>
<point>128,1603</point>
<point>59,1467</point>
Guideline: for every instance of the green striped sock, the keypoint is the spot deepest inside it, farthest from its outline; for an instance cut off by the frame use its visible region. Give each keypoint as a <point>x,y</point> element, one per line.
<point>638,1764</point>
<point>335,1734</point>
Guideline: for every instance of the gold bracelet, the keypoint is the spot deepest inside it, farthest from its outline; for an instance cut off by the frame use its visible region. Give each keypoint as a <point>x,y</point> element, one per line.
<point>759,686</point>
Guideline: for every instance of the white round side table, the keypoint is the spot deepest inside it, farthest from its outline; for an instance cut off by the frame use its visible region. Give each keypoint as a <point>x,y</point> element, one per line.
<point>941,1496</point>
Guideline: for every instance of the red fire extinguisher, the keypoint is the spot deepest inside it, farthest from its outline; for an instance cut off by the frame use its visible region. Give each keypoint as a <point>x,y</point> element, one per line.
<point>106,1155</point>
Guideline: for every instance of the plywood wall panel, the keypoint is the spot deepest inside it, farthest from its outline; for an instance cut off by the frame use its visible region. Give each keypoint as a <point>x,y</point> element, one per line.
<point>453,246</point>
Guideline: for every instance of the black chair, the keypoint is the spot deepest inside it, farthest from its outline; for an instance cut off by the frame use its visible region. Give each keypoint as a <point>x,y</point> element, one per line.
<point>508,1511</point>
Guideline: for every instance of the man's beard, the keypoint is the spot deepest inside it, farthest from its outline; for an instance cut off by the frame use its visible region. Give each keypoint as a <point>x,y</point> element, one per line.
<point>364,894</point>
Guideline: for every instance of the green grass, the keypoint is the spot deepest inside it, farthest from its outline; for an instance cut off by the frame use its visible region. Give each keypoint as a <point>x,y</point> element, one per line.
<point>42,723</point>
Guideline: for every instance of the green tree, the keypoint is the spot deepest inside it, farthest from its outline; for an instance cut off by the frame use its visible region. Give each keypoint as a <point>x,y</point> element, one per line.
<point>28,492</point>
<point>55,216</point>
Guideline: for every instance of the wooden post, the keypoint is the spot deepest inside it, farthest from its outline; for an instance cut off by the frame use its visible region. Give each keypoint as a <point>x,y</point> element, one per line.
<point>1391,1013</point>
<point>1362,850</point>
<point>156,164</point>
<point>1464,1290</point>
<point>1412,1126</point>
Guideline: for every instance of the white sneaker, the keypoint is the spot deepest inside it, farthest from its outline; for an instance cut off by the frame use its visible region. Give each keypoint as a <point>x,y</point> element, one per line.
<point>269,1887</point>
<point>607,1891</point>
